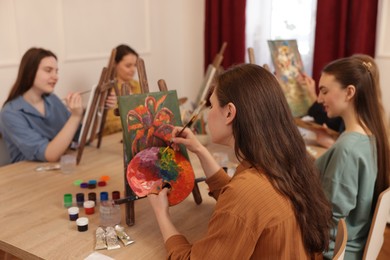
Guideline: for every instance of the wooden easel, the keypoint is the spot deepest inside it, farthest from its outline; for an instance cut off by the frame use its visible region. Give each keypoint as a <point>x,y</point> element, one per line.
<point>129,213</point>
<point>211,72</point>
<point>251,55</point>
<point>97,113</point>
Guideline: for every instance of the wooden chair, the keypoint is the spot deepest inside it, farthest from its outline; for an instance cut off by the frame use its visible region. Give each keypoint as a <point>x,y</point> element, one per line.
<point>376,235</point>
<point>341,240</point>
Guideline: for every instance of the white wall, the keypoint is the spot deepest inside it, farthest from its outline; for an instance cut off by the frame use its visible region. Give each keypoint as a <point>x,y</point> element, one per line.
<point>382,56</point>
<point>169,35</point>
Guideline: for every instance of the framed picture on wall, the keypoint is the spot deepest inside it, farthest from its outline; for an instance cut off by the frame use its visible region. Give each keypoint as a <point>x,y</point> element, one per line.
<point>288,68</point>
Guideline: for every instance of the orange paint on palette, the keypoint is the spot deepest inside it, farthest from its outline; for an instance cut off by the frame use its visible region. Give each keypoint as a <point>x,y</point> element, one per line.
<point>151,168</point>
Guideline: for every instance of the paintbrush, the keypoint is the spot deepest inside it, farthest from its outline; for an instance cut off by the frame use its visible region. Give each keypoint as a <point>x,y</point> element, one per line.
<point>81,93</point>
<point>127,199</point>
<point>194,116</point>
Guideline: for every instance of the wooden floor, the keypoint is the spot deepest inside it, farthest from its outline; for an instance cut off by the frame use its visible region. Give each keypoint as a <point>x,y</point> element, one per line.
<point>383,255</point>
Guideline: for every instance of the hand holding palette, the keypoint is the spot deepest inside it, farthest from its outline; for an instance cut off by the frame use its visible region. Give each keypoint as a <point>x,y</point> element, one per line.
<point>152,168</point>
<point>148,121</point>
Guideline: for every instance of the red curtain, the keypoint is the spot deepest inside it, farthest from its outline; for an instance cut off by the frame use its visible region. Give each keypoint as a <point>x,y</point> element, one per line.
<point>344,27</point>
<point>225,22</point>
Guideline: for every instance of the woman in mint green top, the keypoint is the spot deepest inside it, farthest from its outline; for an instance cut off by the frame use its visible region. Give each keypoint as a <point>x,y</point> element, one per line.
<point>348,173</point>
<point>355,169</point>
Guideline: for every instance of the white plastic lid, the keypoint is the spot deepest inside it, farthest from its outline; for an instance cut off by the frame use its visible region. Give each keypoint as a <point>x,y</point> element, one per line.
<point>73,210</point>
<point>82,221</point>
<point>89,204</point>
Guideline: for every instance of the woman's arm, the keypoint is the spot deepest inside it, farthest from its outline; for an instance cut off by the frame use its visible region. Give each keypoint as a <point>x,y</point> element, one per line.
<point>187,138</point>
<point>57,147</point>
<point>161,210</point>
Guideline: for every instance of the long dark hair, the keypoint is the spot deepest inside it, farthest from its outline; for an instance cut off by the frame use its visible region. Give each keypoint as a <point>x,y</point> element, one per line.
<point>364,76</point>
<point>266,136</point>
<point>122,50</point>
<point>27,71</point>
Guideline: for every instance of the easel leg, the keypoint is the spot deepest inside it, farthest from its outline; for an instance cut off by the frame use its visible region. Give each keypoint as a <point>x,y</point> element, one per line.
<point>130,216</point>
<point>196,193</point>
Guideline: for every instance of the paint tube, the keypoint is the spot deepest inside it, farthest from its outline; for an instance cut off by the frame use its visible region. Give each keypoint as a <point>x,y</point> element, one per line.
<point>120,232</point>
<point>100,239</point>
<point>111,239</point>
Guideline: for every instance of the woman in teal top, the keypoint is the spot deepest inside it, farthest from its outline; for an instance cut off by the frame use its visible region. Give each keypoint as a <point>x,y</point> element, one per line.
<point>355,169</point>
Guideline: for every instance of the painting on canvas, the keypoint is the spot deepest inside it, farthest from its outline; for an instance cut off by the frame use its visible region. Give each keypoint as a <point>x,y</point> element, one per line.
<point>288,68</point>
<point>148,120</point>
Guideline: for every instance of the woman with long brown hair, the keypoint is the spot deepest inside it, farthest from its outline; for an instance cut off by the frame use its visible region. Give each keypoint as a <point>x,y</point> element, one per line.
<point>34,122</point>
<point>273,207</point>
<point>356,168</point>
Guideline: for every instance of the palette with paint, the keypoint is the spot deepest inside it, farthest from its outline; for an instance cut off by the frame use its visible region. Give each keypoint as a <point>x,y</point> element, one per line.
<point>154,167</point>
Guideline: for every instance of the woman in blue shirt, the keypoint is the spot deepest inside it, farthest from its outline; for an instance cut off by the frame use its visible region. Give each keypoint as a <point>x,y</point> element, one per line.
<point>34,122</point>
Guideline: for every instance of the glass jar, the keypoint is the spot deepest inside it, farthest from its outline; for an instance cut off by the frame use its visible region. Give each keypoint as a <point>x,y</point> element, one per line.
<point>110,213</point>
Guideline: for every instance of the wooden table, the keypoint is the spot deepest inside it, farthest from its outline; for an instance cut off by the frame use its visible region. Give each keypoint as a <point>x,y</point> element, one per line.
<point>35,224</point>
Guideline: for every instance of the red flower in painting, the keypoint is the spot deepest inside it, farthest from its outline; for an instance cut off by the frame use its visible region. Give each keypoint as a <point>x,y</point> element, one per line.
<point>150,124</point>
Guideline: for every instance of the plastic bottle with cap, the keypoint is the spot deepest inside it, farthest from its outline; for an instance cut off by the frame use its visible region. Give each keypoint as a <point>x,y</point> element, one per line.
<point>89,207</point>
<point>68,200</point>
<point>73,213</point>
<point>82,224</point>
<point>103,196</point>
<point>80,199</point>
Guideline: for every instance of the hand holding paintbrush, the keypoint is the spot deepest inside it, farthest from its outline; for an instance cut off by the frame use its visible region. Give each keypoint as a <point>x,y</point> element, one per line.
<point>194,116</point>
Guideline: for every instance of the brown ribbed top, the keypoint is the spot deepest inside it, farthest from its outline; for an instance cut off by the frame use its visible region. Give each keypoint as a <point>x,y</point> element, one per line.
<point>251,221</point>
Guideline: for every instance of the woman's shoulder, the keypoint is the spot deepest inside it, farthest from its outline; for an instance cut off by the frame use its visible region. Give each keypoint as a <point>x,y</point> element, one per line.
<point>250,194</point>
<point>351,143</point>
<point>348,149</point>
<point>253,183</point>
<point>12,106</point>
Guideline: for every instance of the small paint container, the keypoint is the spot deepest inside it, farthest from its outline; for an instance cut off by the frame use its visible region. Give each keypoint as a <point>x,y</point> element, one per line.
<point>82,224</point>
<point>105,178</point>
<point>116,195</point>
<point>73,213</point>
<point>102,183</point>
<point>83,185</point>
<point>92,196</point>
<point>89,207</point>
<point>103,196</point>
<point>68,200</point>
<point>77,182</point>
<point>80,199</point>
<point>92,184</point>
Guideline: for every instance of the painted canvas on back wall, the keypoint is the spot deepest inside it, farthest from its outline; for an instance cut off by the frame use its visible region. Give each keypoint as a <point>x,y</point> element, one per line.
<point>148,120</point>
<point>288,68</point>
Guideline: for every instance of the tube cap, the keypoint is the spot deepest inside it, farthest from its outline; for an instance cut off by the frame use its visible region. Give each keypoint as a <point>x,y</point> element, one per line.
<point>82,221</point>
<point>102,183</point>
<point>83,185</point>
<point>103,196</point>
<point>89,204</point>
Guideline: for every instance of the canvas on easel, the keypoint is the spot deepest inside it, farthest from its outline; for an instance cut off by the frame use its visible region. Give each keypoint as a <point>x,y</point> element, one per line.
<point>148,120</point>
<point>211,72</point>
<point>90,108</point>
<point>94,118</point>
<point>288,68</point>
<point>130,125</point>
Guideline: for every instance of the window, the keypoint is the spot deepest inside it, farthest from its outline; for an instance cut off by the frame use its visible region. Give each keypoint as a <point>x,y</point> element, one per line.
<point>281,19</point>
